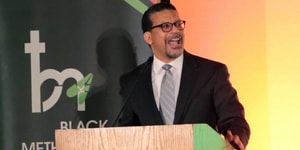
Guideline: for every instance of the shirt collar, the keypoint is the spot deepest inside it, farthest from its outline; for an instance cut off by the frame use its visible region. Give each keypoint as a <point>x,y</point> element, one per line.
<point>176,64</point>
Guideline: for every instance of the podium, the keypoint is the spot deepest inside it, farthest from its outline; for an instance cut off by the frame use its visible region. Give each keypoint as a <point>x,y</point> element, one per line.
<point>161,137</point>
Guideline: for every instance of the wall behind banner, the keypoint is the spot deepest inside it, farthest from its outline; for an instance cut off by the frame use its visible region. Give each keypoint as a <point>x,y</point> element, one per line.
<point>259,41</point>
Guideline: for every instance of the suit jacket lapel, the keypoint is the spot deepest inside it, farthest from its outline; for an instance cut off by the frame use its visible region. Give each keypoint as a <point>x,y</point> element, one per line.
<point>147,100</point>
<point>187,80</point>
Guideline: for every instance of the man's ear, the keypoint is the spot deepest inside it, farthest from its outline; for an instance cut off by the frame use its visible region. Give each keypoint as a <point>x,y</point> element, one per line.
<point>148,38</point>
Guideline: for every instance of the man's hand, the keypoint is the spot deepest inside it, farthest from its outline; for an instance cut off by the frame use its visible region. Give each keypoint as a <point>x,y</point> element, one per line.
<point>234,140</point>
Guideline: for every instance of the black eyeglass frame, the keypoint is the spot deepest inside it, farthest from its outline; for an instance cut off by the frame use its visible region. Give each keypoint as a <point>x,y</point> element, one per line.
<point>177,24</point>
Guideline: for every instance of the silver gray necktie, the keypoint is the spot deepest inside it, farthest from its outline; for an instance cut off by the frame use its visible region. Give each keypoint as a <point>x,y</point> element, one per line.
<point>167,96</point>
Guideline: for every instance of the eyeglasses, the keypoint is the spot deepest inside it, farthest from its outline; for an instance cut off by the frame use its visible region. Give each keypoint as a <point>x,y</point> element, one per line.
<point>168,26</point>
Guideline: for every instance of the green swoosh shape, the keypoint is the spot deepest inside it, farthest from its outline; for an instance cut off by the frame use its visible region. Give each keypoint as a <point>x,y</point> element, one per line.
<point>81,88</point>
<point>138,5</point>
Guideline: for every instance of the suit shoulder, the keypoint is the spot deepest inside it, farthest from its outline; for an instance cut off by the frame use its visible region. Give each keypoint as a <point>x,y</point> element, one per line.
<point>201,61</point>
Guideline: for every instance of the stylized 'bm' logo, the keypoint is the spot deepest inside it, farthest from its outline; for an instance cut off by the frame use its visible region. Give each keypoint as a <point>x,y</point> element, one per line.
<point>80,89</point>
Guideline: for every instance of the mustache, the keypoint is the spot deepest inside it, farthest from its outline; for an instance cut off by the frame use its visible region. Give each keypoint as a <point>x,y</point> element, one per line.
<point>175,35</point>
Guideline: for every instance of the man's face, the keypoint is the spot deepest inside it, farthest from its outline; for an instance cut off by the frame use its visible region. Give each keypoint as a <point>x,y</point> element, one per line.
<point>166,46</point>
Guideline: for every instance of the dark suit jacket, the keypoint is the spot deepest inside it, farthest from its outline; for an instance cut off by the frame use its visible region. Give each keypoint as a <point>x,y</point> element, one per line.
<point>205,96</point>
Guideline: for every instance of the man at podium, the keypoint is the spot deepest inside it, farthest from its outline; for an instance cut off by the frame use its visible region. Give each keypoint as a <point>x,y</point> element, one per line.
<point>176,87</point>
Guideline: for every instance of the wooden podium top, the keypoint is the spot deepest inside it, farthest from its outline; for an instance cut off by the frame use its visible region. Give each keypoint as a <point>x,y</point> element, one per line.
<point>163,137</point>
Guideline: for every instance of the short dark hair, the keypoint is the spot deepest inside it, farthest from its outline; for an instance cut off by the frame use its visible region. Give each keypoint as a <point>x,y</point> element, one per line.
<point>146,21</point>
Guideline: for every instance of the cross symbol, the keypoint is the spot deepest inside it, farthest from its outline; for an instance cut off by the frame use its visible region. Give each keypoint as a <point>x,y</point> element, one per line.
<point>34,45</point>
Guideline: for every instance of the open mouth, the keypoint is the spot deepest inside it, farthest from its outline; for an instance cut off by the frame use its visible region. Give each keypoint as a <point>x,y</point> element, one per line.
<point>175,43</point>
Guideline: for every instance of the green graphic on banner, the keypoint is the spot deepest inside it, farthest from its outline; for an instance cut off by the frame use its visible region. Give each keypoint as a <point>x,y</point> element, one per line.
<point>81,89</point>
<point>138,5</point>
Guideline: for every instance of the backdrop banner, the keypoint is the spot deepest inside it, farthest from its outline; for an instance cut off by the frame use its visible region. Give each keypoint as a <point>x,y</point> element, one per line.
<point>60,65</point>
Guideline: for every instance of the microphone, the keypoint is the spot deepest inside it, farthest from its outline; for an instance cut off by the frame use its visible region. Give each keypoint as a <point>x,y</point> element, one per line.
<point>132,89</point>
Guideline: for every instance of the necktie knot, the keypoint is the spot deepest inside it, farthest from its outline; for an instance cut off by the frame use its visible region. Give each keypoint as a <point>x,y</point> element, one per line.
<point>166,67</point>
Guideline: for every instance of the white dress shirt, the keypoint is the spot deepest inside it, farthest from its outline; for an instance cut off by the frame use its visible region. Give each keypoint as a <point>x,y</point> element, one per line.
<point>158,73</point>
